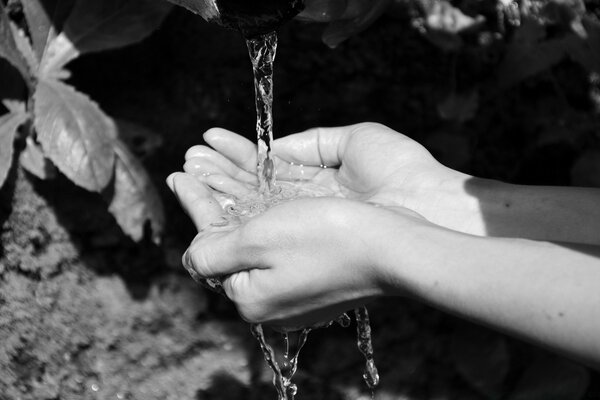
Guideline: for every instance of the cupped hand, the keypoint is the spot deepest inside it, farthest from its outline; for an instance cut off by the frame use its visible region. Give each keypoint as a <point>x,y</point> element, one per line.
<point>301,262</point>
<point>367,162</point>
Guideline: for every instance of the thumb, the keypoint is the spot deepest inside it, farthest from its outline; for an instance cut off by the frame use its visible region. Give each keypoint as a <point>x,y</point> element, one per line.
<point>197,201</point>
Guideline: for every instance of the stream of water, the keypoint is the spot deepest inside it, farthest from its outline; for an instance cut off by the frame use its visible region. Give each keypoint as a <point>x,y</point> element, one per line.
<point>262,50</point>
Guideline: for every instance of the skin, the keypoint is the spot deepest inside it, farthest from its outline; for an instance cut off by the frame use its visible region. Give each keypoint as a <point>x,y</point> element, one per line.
<point>398,224</point>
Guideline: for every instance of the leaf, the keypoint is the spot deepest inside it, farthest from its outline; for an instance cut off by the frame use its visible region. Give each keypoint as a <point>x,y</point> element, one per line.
<point>9,123</point>
<point>565,13</point>
<point>135,200</point>
<point>75,134</point>
<point>102,25</point>
<point>586,51</point>
<point>198,7</point>
<point>33,160</point>
<point>22,43</point>
<point>528,54</point>
<point>8,47</point>
<point>45,19</point>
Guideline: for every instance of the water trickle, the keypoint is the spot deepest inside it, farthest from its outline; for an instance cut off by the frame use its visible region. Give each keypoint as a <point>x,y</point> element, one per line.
<point>262,50</point>
<point>365,345</point>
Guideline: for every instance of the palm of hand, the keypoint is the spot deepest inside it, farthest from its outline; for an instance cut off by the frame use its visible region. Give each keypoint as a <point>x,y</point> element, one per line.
<point>378,165</point>
<point>367,162</point>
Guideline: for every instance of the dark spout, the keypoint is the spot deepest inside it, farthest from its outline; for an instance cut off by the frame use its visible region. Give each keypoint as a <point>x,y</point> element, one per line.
<point>251,17</point>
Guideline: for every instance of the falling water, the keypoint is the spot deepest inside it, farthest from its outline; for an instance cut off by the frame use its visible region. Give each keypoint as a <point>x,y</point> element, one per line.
<point>262,50</point>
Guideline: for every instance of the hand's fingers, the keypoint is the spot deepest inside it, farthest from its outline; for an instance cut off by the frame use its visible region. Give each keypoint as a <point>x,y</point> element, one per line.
<point>227,185</point>
<point>197,200</point>
<point>314,147</point>
<point>290,171</point>
<point>238,149</point>
<point>214,255</point>
<point>204,167</point>
<point>199,157</point>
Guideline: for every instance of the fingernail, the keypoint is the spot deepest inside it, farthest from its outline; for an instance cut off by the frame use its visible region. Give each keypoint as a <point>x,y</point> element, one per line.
<point>170,181</point>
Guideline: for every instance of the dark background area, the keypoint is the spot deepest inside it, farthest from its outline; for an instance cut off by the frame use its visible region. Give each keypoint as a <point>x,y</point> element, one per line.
<point>88,314</point>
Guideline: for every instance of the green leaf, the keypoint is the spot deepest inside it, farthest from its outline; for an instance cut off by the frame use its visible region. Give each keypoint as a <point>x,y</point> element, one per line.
<point>33,160</point>
<point>45,19</point>
<point>9,123</point>
<point>75,134</point>
<point>8,47</point>
<point>135,200</point>
<point>102,25</point>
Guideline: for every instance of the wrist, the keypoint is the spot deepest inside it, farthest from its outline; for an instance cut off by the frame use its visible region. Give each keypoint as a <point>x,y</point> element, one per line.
<point>406,250</point>
<point>451,199</point>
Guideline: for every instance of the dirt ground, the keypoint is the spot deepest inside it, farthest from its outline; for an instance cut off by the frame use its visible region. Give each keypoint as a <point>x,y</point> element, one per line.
<point>85,313</point>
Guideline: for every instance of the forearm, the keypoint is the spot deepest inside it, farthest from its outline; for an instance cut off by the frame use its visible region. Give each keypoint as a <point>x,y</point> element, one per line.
<point>492,208</point>
<point>542,292</point>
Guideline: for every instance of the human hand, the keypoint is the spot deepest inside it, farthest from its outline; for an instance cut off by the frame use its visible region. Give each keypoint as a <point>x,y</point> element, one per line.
<point>301,262</point>
<point>345,17</point>
<point>367,162</point>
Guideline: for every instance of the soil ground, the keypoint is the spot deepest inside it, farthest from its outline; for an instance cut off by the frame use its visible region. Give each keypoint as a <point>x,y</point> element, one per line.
<point>85,313</point>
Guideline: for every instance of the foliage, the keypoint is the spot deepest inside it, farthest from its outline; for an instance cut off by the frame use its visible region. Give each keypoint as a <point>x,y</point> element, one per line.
<point>530,36</point>
<point>56,126</point>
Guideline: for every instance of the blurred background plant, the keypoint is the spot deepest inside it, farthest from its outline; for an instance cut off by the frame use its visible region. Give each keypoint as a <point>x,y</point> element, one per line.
<point>55,126</point>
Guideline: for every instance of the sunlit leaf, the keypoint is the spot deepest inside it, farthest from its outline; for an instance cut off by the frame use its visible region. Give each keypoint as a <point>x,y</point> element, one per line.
<point>45,19</point>
<point>135,201</point>
<point>22,43</point>
<point>102,25</point>
<point>197,7</point>
<point>9,123</point>
<point>33,160</point>
<point>75,134</point>
<point>8,47</point>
